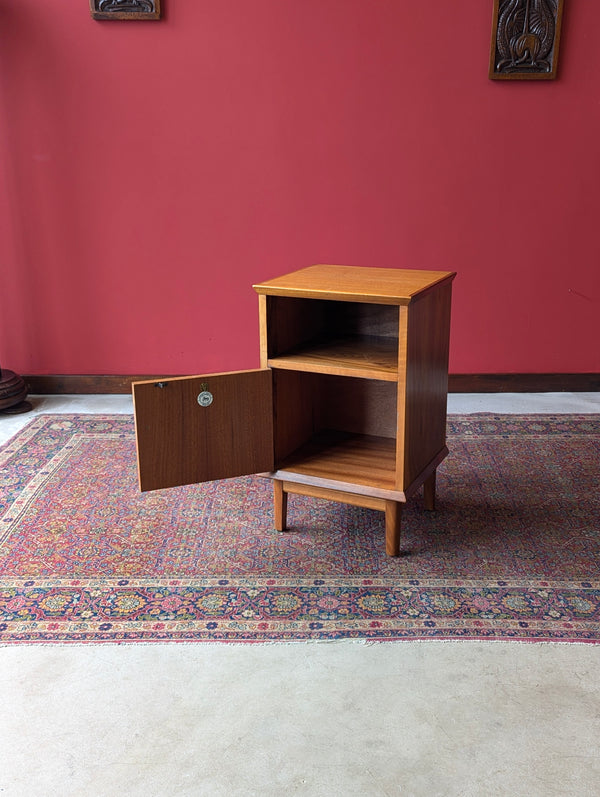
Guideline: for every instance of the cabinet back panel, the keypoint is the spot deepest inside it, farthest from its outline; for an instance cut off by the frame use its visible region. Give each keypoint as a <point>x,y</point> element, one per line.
<point>359,406</point>
<point>359,319</point>
<point>306,404</point>
<point>295,322</point>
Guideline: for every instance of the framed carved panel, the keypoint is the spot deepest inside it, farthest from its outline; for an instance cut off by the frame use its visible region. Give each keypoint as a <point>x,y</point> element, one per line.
<point>525,39</point>
<point>125,9</point>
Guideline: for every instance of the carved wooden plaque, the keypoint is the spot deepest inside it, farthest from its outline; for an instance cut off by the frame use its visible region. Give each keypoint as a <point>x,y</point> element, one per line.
<point>525,39</point>
<point>125,9</point>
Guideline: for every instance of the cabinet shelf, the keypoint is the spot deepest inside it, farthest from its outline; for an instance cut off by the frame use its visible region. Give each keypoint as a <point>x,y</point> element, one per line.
<point>369,357</point>
<point>357,458</point>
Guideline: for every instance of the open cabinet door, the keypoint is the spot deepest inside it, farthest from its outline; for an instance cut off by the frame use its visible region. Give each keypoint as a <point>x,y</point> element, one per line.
<point>199,428</point>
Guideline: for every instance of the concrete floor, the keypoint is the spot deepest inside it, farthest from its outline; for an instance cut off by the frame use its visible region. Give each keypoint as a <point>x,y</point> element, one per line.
<point>475,719</point>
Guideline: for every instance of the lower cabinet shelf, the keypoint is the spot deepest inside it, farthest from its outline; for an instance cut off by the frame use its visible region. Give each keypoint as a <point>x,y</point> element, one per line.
<point>347,458</point>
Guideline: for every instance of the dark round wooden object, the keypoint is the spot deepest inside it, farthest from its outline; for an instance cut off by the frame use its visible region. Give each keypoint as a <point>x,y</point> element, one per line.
<point>13,391</point>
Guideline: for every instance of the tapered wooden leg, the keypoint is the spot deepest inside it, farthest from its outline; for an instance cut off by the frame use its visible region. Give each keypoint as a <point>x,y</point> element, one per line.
<point>393,518</point>
<point>429,492</point>
<point>280,505</point>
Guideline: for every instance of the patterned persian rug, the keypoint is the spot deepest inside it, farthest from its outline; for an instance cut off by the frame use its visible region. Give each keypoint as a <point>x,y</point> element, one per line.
<point>512,552</point>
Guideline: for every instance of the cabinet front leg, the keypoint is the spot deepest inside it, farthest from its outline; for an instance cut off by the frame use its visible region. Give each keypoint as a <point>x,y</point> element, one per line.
<point>429,492</point>
<point>280,505</point>
<point>393,518</point>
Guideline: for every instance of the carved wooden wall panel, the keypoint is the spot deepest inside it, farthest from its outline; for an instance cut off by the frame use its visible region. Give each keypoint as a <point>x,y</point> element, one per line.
<point>525,39</point>
<point>125,9</point>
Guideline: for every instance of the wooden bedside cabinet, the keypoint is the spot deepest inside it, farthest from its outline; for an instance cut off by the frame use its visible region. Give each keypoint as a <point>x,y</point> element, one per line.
<point>349,403</point>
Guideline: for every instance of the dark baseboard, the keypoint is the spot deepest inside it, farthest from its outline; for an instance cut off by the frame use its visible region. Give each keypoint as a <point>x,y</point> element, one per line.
<point>81,384</point>
<point>457,383</point>
<point>523,383</point>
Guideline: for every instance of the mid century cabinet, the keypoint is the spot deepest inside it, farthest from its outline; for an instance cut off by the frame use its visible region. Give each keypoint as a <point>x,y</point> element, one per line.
<point>349,403</point>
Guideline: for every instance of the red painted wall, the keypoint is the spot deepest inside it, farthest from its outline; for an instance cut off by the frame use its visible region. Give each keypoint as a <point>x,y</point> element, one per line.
<point>150,172</point>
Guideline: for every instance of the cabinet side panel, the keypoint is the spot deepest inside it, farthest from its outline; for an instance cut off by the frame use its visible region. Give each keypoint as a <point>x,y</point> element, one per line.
<point>401,413</point>
<point>296,411</point>
<point>426,380</point>
<point>181,442</point>
<point>293,322</point>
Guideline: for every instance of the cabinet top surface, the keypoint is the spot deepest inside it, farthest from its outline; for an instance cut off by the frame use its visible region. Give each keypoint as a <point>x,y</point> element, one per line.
<point>354,283</point>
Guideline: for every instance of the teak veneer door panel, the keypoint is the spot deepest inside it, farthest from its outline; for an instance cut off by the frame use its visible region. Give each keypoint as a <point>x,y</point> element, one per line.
<point>181,442</point>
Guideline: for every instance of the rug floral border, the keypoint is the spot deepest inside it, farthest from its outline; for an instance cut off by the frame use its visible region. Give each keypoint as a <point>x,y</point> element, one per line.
<point>252,610</point>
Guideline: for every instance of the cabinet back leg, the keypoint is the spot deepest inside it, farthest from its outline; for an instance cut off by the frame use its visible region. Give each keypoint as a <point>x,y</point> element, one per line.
<point>429,492</point>
<point>393,518</point>
<point>280,505</point>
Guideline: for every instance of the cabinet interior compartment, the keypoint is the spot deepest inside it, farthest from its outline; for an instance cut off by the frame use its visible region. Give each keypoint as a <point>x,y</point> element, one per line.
<point>320,335</point>
<point>335,427</point>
